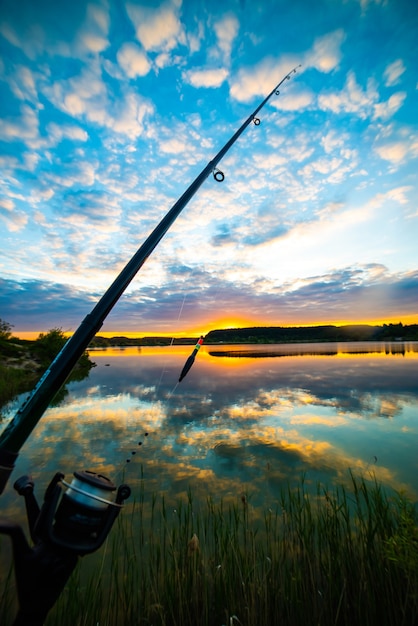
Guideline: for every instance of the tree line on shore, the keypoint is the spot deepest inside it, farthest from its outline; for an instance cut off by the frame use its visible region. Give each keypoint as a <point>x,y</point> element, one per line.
<point>48,344</point>
<point>276,334</point>
<point>22,362</point>
<point>328,333</point>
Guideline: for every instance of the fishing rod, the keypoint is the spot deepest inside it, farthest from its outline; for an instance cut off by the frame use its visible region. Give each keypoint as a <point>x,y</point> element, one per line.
<point>25,420</point>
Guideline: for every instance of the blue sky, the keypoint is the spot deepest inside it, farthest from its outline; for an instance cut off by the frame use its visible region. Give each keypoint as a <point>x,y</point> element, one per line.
<point>109,110</point>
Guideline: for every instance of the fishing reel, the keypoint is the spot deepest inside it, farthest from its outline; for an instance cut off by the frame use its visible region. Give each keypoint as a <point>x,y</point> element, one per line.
<point>73,521</point>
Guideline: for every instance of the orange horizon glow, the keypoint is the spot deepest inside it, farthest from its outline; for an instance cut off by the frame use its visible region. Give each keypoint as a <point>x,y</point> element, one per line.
<point>229,322</point>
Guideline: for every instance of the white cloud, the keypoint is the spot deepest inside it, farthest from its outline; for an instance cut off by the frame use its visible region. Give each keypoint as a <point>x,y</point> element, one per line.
<point>10,34</point>
<point>133,60</point>
<point>81,94</point>
<point>25,127</point>
<point>270,162</point>
<point>332,141</point>
<point>295,99</point>
<point>259,80</point>
<point>157,29</point>
<point>60,132</point>
<point>206,78</point>
<point>399,194</point>
<point>86,96</point>
<point>163,60</point>
<point>74,105</point>
<point>34,38</point>
<point>31,42</point>
<point>366,3</point>
<point>322,166</point>
<point>385,110</point>
<point>99,15</point>
<point>129,115</point>
<point>22,84</point>
<point>393,72</point>
<point>31,160</point>
<point>194,40</point>
<point>332,171</point>
<point>351,99</point>
<point>80,173</point>
<point>7,166</point>
<point>226,31</point>
<point>396,145</point>
<point>325,54</point>
<point>395,152</point>
<point>14,220</point>
<point>7,204</point>
<point>93,35</point>
<point>364,103</point>
<point>41,196</point>
<point>88,207</point>
<point>93,43</point>
<point>173,146</point>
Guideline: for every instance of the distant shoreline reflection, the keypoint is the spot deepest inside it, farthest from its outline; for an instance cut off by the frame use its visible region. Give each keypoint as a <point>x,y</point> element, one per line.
<point>324,349</point>
<point>242,421</point>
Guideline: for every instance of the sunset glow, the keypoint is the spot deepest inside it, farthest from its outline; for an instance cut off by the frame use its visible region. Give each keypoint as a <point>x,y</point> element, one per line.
<point>106,121</point>
<point>223,325</point>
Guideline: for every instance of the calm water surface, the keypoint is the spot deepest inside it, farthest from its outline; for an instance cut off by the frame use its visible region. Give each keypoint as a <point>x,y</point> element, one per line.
<point>246,419</point>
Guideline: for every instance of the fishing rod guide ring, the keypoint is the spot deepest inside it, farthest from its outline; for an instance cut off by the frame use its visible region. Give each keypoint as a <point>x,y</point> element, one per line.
<point>218,175</point>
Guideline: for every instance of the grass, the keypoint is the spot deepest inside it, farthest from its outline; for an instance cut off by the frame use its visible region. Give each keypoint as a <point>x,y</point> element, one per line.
<point>14,381</point>
<point>341,557</point>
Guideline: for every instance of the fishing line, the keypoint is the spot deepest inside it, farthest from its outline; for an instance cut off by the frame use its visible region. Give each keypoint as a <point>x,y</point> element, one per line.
<point>136,262</point>
<point>20,427</point>
<point>123,465</point>
<point>186,367</point>
<point>219,177</point>
<point>171,345</point>
<point>134,451</point>
<point>173,390</point>
<point>180,313</point>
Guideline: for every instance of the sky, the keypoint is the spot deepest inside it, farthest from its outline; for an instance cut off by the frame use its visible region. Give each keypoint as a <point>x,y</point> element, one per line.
<point>110,109</point>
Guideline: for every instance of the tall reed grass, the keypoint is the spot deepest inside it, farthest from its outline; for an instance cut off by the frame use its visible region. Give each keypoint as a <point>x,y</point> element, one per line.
<point>340,557</point>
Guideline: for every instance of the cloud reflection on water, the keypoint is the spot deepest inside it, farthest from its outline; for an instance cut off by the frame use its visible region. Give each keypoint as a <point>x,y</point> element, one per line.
<point>235,424</point>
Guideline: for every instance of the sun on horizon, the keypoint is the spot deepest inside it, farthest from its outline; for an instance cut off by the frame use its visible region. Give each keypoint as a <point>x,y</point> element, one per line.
<point>224,324</point>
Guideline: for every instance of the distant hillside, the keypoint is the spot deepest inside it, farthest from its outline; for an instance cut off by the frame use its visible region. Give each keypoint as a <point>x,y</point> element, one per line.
<point>278,334</point>
<point>108,342</point>
<point>275,334</point>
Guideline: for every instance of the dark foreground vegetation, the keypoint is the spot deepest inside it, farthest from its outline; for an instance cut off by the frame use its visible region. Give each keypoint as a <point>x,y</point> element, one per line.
<point>338,558</point>
<point>23,362</point>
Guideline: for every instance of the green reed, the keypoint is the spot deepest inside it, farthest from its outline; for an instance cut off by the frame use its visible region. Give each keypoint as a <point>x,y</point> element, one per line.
<point>341,556</point>
<point>12,382</point>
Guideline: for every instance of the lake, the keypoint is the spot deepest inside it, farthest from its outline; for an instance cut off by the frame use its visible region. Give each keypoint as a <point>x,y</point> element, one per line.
<point>246,420</point>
